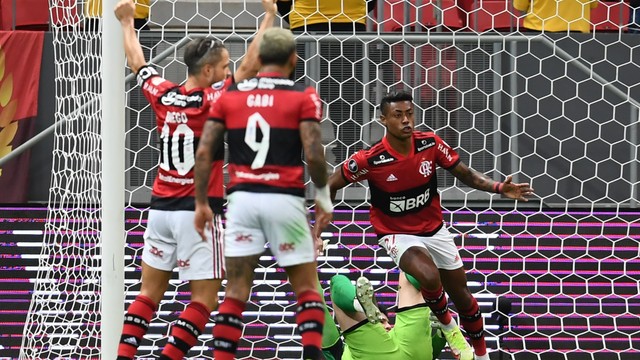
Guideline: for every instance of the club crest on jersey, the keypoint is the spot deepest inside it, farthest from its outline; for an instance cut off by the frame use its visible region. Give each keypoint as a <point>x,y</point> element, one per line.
<point>425,168</point>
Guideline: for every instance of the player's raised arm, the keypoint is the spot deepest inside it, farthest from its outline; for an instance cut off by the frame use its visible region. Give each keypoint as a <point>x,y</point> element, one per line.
<point>125,11</point>
<point>250,64</point>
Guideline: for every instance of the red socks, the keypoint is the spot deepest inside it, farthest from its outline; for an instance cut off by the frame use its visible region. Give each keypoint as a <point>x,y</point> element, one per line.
<point>185,331</point>
<point>227,329</point>
<point>437,301</point>
<point>310,320</point>
<point>472,323</point>
<point>136,323</point>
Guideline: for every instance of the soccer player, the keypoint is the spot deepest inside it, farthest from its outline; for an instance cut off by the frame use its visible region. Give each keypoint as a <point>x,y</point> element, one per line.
<point>268,120</point>
<point>407,217</point>
<point>367,332</point>
<point>170,240</point>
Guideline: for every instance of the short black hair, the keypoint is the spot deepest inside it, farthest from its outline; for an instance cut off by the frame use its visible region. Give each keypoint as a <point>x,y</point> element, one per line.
<point>199,52</point>
<point>394,96</point>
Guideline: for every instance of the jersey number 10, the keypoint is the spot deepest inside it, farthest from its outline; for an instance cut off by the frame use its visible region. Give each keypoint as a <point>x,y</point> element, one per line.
<point>181,145</point>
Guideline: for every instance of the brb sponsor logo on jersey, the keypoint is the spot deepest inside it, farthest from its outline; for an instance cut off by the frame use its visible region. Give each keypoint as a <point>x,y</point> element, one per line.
<point>399,204</point>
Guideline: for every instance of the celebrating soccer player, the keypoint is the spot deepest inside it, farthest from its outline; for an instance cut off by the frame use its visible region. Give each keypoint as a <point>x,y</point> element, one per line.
<point>406,214</point>
<point>268,120</point>
<point>170,240</point>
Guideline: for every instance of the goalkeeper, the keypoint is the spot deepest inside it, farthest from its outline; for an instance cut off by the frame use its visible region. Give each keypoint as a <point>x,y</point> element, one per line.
<point>366,330</point>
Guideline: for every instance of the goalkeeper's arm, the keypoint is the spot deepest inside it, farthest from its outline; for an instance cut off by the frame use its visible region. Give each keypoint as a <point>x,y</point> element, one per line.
<point>125,11</point>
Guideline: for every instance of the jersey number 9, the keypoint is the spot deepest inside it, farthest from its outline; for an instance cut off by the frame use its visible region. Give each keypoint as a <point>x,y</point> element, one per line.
<point>261,148</point>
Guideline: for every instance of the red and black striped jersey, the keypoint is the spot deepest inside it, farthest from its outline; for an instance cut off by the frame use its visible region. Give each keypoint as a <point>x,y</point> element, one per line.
<point>180,118</point>
<point>262,117</point>
<point>404,189</point>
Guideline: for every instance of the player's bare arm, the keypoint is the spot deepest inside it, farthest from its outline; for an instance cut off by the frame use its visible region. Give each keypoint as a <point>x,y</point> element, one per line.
<point>250,64</point>
<point>212,137</point>
<point>314,152</point>
<point>480,181</point>
<point>311,138</point>
<point>336,182</point>
<point>125,10</point>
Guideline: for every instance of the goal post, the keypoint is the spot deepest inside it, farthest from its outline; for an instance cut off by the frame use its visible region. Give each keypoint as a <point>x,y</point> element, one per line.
<point>112,234</point>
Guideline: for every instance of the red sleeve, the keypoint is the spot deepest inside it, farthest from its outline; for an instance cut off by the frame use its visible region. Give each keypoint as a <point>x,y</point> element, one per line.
<point>153,85</point>
<point>216,111</point>
<point>311,106</point>
<point>356,168</point>
<point>446,157</point>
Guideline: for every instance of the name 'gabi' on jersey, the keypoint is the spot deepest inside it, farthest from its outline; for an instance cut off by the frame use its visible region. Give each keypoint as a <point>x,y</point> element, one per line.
<point>262,116</point>
<point>404,189</point>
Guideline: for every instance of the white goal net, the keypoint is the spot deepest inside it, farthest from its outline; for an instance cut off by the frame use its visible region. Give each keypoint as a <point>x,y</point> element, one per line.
<point>560,111</point>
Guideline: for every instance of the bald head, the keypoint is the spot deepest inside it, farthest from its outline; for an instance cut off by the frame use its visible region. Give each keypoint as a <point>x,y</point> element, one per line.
<point>276,46</point>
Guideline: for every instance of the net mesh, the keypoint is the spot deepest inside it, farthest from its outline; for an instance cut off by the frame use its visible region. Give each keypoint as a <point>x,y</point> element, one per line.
<point>64,318</point>
<point>559,111</point>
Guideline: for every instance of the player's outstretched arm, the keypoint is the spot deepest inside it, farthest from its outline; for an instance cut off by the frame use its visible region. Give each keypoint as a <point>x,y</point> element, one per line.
<point>211,139</point>
<point>250,64</point>
<point>477,180</point>
<point>125,11</point>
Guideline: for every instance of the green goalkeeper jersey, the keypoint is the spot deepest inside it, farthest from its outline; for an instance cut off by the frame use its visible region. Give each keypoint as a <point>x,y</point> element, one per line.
<point>410,339</point>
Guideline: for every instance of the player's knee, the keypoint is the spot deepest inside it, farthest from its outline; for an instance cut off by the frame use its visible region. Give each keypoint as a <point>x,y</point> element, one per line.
<point>429,279</point>
<point>427,274</point>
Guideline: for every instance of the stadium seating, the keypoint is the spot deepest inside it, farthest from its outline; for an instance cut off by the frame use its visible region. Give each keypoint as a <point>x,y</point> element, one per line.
<point>481,15</point>
<point>34,14</point>
<point>29,14</point>
<point>610,16</point>
<point>496,15</point>
<point>394,18</point>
